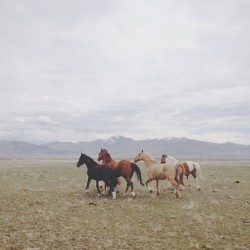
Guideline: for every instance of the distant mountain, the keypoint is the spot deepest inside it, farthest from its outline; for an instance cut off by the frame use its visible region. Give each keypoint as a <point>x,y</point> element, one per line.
<point>124,147</point>
<point>19,149</point>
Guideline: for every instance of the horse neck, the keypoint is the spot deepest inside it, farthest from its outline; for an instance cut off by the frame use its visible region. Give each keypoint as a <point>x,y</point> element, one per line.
<point>91,163</point>
<point>148,160</point>
<point>107,159</point>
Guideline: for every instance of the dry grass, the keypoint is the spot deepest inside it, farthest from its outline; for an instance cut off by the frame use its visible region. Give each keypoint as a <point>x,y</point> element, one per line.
<point>44,206</point>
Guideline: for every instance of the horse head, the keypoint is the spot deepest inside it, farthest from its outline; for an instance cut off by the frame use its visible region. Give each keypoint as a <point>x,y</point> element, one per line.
<point>163,158</point>
<point>82,160</point>
<point>139,157</point>
<point>102,154</point>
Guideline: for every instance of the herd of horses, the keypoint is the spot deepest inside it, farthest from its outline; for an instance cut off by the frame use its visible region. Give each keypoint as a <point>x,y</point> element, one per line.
<point>110,170</point>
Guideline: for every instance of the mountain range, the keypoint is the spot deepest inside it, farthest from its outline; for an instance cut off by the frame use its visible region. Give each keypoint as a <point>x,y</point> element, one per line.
<point>124,147</point>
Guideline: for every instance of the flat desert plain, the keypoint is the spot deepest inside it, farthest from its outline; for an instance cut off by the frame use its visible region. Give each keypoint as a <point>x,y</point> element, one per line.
<point>43,205</point>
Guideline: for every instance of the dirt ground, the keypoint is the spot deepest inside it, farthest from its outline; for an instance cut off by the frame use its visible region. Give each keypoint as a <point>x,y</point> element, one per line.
<point>43,205</point>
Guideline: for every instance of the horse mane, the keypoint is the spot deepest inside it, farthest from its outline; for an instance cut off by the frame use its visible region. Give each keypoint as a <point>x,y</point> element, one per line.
<point>107,154</point>
<point>172,158</point>
<point>91,159</point>
<point>150,157</point>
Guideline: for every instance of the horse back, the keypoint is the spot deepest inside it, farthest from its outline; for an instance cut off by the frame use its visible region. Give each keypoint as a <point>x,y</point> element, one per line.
<point>124,163</point>
<point>169,169</point>
<point>124,168</point>
<point>162,171</point>
<point>112,164</point>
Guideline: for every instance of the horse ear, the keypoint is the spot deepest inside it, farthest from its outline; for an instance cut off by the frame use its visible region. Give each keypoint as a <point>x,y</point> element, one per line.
<point>142,150</point>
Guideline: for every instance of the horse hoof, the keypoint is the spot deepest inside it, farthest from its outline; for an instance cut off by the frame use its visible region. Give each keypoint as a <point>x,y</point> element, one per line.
<point>86,191</point>
<point>133,194</point>
<point>99,195</point>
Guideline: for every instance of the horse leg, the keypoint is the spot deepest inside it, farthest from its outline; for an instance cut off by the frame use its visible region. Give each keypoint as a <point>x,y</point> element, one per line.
<point>112,186</point>
<point>114,194</point>
<point>198,183</point>
<point>149,180</point>
<point>98,189</point>
<point>105,188</point>
<point>126,190</point>
<point>176,185</point>
<point>157,187</point>
<point>181,188</point>
<point>198,174</point>
<point>193,173</point>
<point>132,188</point>
<point>131,185</point>
<point>179,170</point>
<point>87,187</point>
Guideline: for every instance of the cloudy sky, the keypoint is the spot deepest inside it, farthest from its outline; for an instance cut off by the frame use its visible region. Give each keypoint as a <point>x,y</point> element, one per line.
<point>81,70</point>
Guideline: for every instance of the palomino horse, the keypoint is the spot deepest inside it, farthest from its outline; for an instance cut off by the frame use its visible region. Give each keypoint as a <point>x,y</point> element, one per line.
<point>157,171</point>
<point>190,167</point>
<point>123,168</point>
<point>99,173</point>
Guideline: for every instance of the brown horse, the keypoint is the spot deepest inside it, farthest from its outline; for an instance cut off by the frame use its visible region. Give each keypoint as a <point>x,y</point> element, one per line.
<point>123,168</point>
<point>190,167</point>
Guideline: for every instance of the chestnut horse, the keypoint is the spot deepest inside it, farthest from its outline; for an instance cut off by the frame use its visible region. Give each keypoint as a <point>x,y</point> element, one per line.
<point>190,167</point>
<point>157,171</point>
<point>123,168</point>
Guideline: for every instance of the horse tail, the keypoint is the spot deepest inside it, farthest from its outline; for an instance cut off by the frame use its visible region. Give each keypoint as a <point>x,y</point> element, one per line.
<point>198,169</point>
<point>180,170</point>
<point>136,169</point>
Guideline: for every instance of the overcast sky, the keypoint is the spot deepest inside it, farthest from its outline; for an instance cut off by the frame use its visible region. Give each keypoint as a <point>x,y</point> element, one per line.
<point>90,69</point>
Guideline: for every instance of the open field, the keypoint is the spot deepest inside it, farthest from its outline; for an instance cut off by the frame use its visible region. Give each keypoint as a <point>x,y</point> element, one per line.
<point>43,205</point>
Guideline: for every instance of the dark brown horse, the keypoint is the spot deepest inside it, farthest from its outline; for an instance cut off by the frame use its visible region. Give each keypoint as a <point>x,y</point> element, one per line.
<point>99,173</point>
<point>123,168</point>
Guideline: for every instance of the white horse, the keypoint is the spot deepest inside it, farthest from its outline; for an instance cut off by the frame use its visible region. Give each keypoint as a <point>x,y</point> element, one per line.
<point>157,171</point>
<point>190,167</point>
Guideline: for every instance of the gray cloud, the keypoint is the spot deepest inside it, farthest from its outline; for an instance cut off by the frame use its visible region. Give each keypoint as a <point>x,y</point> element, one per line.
<point>92,69</point>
